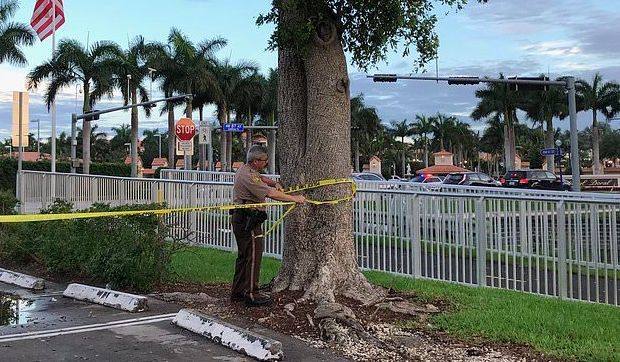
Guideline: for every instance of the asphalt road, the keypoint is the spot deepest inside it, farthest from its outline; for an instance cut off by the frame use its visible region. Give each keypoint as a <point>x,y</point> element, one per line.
<point>50,327</point>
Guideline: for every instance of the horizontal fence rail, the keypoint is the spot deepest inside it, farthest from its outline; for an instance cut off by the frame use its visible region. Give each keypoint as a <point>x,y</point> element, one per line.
<point>559,244</point>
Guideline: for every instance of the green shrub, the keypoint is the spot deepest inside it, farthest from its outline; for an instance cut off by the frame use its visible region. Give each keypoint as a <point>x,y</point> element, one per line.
<point>8,202</point>
<point>129,252</point>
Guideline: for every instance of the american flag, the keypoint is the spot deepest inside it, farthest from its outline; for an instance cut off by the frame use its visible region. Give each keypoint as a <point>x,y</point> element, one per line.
<point>43,17</point>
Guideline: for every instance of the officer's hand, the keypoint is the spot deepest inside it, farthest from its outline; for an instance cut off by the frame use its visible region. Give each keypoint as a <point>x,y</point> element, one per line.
<point>279,187</point>
<point>299,199</point>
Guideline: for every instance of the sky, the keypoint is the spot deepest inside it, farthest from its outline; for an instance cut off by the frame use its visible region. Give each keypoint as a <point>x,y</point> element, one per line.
<point>524,37</point>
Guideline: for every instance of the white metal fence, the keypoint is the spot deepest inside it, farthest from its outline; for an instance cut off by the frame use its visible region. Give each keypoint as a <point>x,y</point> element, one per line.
<point>549,243</point>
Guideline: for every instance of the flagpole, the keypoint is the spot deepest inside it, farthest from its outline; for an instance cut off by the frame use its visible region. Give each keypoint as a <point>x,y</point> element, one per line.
<point>53,108</point>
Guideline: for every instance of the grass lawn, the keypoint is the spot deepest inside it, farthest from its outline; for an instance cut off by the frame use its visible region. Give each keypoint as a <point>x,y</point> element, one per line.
<point>584,331</point>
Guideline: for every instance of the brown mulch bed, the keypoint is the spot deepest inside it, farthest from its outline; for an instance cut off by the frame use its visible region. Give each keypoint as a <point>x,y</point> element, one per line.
<point>297,322</point>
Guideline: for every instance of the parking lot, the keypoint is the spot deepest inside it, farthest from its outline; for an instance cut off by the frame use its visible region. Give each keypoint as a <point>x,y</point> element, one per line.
<point>45,326</point>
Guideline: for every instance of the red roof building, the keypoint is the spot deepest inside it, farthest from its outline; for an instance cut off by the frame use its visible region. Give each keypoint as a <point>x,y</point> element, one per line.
<point>444,164</point>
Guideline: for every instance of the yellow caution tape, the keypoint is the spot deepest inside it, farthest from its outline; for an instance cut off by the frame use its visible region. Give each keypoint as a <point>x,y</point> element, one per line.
<point>84,215</point>
<point>314,185</point>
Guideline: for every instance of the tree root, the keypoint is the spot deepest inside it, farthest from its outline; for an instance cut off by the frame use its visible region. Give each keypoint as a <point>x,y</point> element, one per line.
<point>332,313</point>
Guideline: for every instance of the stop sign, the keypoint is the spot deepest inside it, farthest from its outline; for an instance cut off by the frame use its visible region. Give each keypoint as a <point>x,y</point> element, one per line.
<point>185,129</point>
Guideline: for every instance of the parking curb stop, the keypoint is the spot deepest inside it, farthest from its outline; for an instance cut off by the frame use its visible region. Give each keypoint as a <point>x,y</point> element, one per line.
<point>21,280</point>
<point>228,335</point>
<point>110,298</point>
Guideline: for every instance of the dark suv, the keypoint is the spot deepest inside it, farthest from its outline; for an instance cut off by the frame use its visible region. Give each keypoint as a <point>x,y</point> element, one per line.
<point>470,179</point>
<point>533,179</point>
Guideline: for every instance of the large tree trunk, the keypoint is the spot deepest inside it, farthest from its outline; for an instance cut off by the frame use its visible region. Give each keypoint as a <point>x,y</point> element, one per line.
<point>596,160</point>
<point>314,114</point>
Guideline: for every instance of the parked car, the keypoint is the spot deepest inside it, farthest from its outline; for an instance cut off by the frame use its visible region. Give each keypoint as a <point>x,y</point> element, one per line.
<point>533,179</point>
<point>426,178</point>
<point>367,176</point>
<point>470,179</point>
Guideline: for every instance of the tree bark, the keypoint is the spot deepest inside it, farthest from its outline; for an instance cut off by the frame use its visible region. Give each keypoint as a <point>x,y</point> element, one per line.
<point>596,160</point>
<point>314,115</point>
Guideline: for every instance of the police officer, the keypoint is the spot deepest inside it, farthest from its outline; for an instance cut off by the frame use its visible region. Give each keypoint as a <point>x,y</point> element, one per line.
<point>251,187</point>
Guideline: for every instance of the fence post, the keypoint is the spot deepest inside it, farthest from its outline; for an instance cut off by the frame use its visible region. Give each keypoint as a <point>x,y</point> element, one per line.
<point>416,247</point>
<point>481,245</point>
<point>562,267</point>
<point>193,216</point>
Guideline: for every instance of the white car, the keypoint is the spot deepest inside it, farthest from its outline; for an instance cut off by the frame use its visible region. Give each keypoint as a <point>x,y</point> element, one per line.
<point>367,176</point>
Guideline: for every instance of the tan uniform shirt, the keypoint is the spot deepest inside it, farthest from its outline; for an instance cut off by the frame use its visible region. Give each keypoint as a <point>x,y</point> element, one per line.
<point>249,188</point>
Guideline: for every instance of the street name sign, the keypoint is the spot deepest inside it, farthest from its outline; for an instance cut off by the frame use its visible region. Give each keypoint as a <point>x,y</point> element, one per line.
<point>550,151</point>
<point>233,127</point>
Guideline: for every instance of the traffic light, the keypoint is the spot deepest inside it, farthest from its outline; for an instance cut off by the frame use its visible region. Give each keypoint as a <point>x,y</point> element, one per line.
<point>384,78</point>
<point>91,118</point>
<point>463,80</point>
<point>528,87</point>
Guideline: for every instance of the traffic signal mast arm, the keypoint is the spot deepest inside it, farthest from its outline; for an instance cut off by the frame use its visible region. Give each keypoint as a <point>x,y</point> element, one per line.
<point>468,80</point>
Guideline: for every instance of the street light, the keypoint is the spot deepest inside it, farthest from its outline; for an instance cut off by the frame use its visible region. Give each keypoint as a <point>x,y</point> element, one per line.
<point>151,71</point>
<point>159,142</point>
<point>128,91</point>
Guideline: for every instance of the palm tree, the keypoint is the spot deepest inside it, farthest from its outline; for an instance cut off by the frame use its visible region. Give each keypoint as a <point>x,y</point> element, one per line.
<point>248,101</point>
<point>121,137</point>
<point>597,97</point>
<point>184,68</point>
<point>131,71</point>
<point>71,64</point>
<point>491,141</point>
<point>367,125</point>
<point>498,100</point>
<point>402,130</point>
<point>542,106</point>
<point>13,35</point>
<point>230,79</point>
<point>423,127</point>
<point>441,126</point>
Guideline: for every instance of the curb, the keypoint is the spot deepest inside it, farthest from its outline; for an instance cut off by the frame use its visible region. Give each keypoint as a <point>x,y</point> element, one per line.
<point>22,280</point>
<point>110,298</point>
<point>228,335</point>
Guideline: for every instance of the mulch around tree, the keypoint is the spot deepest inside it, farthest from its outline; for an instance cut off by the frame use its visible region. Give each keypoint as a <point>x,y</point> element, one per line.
<point>289,316</point>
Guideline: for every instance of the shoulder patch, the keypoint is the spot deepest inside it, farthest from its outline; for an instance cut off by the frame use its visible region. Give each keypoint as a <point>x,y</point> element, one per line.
<point>256,180</point>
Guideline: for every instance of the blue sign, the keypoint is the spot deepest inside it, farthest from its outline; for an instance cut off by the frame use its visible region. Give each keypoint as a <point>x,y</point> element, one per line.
<point>233,127</point>
<point>550,151</point>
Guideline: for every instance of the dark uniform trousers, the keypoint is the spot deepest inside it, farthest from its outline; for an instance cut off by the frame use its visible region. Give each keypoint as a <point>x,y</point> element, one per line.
<point>250,252</point>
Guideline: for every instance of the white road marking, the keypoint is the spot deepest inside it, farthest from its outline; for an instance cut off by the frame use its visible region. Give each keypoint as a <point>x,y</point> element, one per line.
<point>86,328</point>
